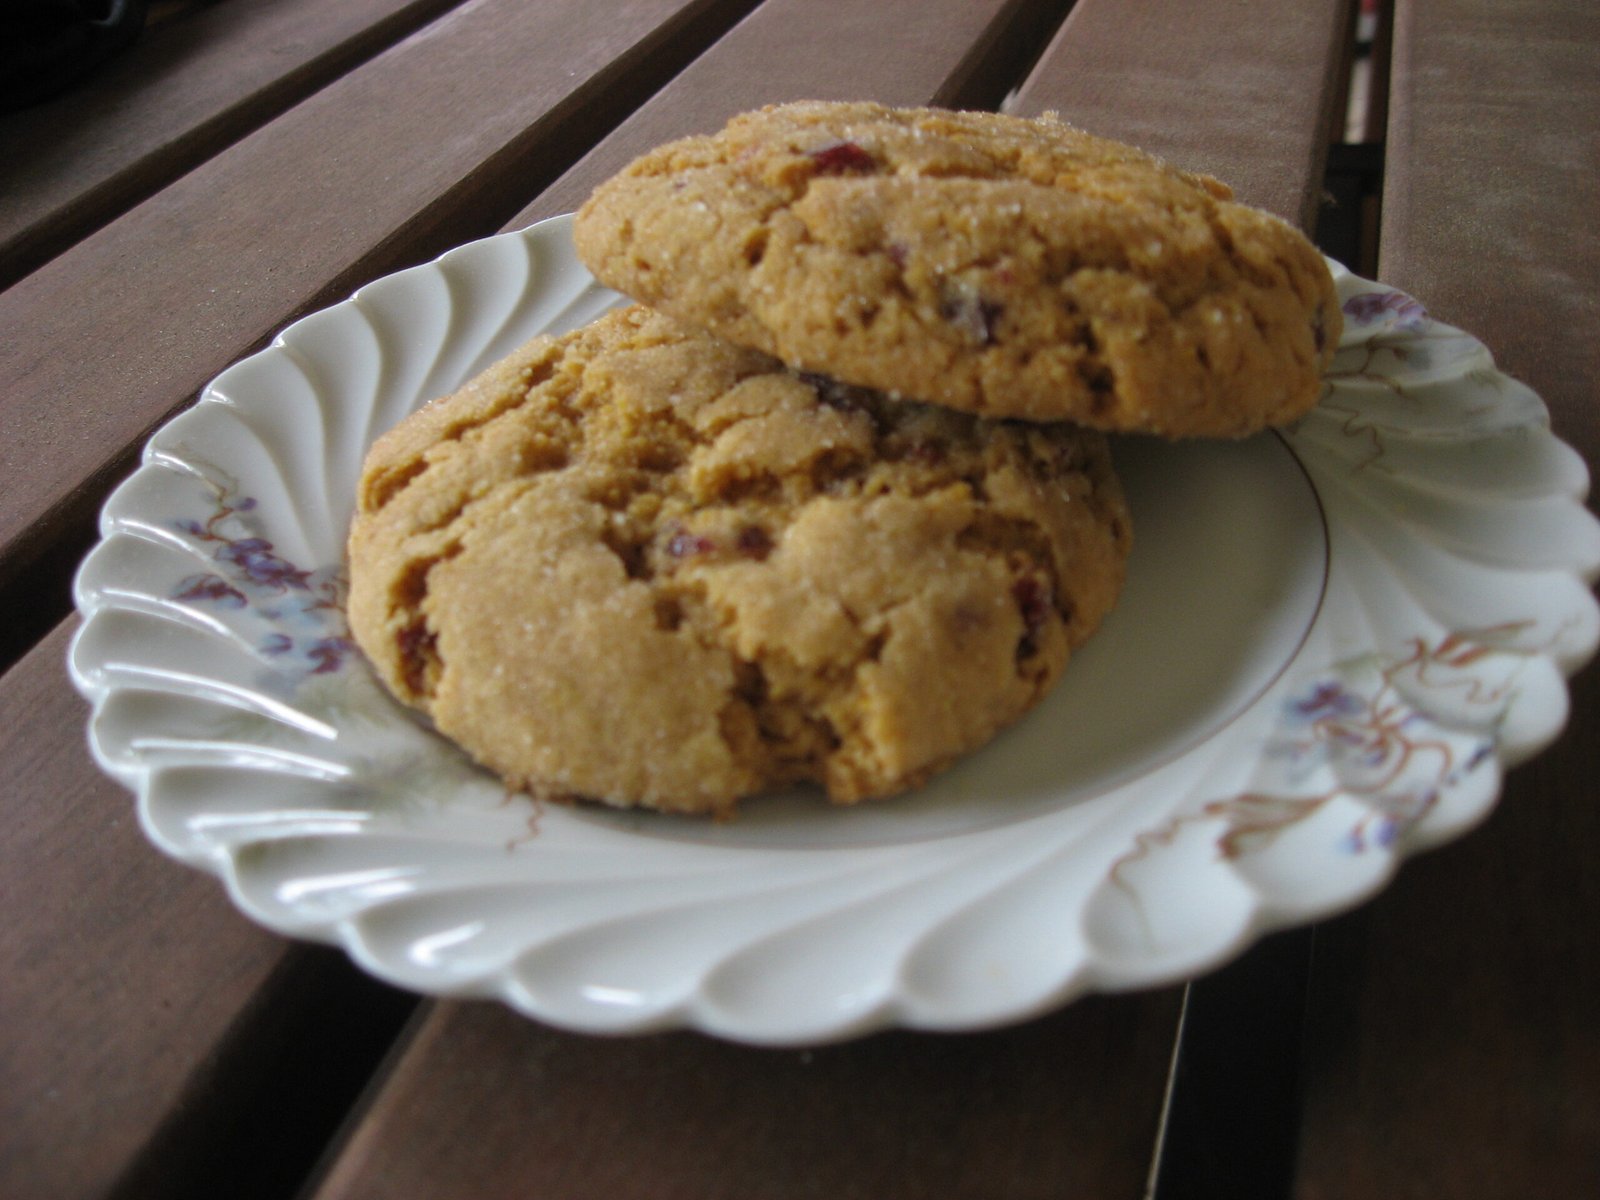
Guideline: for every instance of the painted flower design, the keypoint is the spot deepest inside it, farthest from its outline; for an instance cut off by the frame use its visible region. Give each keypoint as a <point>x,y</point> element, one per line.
<point>254,558</point>
<point>1399,310</point>
<point>209,587</point>
<point>1328,698</point>
<point>1364,731</point>
<point>302,609</point>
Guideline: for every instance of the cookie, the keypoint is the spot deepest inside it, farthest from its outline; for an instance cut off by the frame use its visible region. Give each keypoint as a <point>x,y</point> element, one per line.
<point>1002,266</point>
<point>638,564</point>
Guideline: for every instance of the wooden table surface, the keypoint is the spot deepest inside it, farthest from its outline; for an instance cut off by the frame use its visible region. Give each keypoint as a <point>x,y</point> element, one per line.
<point>248,161</point>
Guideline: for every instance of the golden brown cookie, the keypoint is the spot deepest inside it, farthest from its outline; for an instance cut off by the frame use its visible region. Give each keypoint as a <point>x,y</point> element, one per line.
<point>1007,267</point>
<point>639,564</point>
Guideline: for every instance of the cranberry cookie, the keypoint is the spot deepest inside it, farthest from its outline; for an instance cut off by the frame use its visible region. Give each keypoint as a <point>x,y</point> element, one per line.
<point>639,564</point>
<point>1006,267</point>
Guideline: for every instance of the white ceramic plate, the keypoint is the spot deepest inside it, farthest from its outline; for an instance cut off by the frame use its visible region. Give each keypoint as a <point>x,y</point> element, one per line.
<point>1331,644</point>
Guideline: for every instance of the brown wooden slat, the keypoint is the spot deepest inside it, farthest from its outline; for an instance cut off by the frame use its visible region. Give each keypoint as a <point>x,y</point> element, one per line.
<point>1454,1033</point>
<point>1489,198</point>
<point>428,144</point>
<point>154,1044</point>
<point>487,1104</point>
<point>937,52</point>
<point>122,972</point>
<point>1246,94</point>
<point>190,85</point>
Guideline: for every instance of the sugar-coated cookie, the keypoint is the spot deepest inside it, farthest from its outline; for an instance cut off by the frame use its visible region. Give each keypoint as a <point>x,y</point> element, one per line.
<point>1004,266</point>
<point>638,564</point>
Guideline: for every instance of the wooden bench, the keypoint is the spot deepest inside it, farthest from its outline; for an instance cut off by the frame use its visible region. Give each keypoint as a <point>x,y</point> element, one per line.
<point>248,163</point>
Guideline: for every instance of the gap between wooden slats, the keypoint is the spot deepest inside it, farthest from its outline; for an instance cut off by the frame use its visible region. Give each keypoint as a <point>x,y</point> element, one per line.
<point>190,85</point>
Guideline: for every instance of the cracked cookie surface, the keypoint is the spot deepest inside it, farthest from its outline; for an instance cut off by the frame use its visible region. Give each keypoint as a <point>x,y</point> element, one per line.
<point>638,564</point>
<point>1005,266</point>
